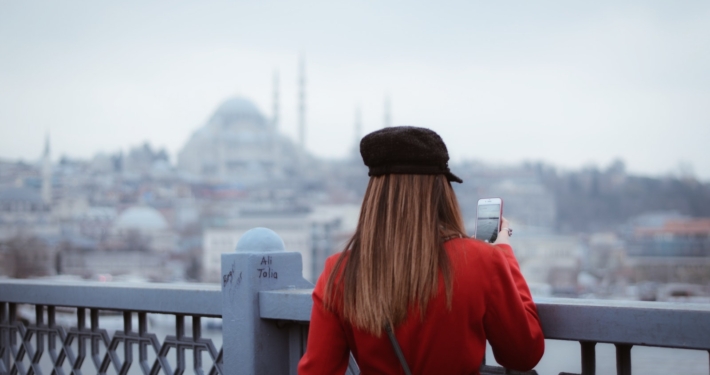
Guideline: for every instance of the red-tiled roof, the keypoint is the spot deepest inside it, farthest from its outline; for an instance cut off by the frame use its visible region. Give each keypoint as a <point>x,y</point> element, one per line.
<point>679,227</point>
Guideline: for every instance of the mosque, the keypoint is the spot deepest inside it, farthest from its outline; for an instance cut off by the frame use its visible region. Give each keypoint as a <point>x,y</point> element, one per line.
<point>240,145</point>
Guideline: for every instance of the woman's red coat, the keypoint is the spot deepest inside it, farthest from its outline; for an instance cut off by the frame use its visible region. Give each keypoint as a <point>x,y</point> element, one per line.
<point>491,301</point>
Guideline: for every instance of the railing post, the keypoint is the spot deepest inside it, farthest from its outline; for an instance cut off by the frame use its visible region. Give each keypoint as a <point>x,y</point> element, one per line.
<point>4,339</point>
<point>589,357</point>
<point>623,359</point>
<point>260,262</point>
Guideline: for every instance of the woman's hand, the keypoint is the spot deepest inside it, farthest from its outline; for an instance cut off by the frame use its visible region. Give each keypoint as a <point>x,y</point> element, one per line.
<point>503,237</point>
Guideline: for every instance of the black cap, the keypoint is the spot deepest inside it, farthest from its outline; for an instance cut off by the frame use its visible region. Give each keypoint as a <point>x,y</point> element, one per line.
<point>405,150</point>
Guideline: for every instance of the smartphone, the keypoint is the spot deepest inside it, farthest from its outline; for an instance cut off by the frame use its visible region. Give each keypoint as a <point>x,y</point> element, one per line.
<point>488,217</point>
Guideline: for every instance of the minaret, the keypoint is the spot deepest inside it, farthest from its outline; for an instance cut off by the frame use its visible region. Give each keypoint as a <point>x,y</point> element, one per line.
<point>302,105</point>
<point>221,160</point>
<point>388,112</point>
<point>276,151</point>
<point>358,124</point>
<point>47,174</point>
<point>358,133</point>
<point>276,100</point>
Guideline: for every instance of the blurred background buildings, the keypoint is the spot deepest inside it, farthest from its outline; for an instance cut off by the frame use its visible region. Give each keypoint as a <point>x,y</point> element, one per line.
<point>566,83</point>
<point>139,216</point>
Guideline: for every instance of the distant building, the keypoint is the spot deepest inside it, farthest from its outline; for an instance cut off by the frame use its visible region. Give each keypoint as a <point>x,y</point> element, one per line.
<point>96,222</point>
<point>671,250</point>
<point>295,232</point>
<point>548,262</point>
<point>47,174</point>
<point>137,242</point>
<point>144,161</point>
<point>13,171</point>
<point>527,201</point>
<point>69,208</point>
<point>149,266</point>
<point>603,264</point>
<point>24,210</point>
<point>673,238</point>
<point>316,235</point>
<point>238,144</point>
<point>142,228</point>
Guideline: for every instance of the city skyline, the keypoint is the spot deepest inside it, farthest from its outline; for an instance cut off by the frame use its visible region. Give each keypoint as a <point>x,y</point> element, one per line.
<point>569,85</point>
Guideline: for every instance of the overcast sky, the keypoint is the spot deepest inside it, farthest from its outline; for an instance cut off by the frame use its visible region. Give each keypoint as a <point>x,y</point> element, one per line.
<point>568,83</point>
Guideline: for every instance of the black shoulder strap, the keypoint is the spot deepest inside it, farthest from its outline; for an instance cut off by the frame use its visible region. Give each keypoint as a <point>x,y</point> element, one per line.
<point>397,349</point>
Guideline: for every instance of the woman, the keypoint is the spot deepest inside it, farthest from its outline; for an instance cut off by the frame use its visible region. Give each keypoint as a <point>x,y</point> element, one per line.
<point>410,266</point>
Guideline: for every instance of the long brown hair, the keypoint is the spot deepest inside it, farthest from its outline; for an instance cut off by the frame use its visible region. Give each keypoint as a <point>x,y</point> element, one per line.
<point>393,260</point>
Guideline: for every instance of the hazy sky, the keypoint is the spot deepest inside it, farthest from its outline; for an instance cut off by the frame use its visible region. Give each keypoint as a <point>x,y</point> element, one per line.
<point>569,83</point>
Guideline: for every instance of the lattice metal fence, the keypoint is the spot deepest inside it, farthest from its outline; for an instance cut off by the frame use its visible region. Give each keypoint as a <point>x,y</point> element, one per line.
<point>23,345</point>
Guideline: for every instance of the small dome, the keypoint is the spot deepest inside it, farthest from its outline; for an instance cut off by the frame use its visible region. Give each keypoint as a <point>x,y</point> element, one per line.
<point>142,218</point>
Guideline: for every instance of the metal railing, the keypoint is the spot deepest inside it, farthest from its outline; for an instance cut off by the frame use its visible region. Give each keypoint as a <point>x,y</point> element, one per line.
<point>622,323</point>
<point>23,339</point>
<point>265,306</point>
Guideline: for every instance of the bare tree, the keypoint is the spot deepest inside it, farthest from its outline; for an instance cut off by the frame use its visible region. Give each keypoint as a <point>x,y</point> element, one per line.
<point>134,240</point>
<point>27,256</point>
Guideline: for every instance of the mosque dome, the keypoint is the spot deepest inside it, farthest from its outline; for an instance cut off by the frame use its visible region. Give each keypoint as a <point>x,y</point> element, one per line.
<point>238,108</point>
<point>238,144</point>
<point>142,218</point>
<point>238,105</point>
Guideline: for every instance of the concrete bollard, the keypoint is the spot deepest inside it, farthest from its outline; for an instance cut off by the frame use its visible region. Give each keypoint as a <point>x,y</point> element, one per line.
<point>260,262</point>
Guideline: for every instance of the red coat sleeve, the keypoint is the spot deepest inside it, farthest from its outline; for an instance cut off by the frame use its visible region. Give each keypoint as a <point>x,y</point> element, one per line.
<point>510,321</point>
<point>327,351</point>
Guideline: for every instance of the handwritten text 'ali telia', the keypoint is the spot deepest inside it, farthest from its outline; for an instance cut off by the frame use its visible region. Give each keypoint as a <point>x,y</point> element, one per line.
<point>266,272</point>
